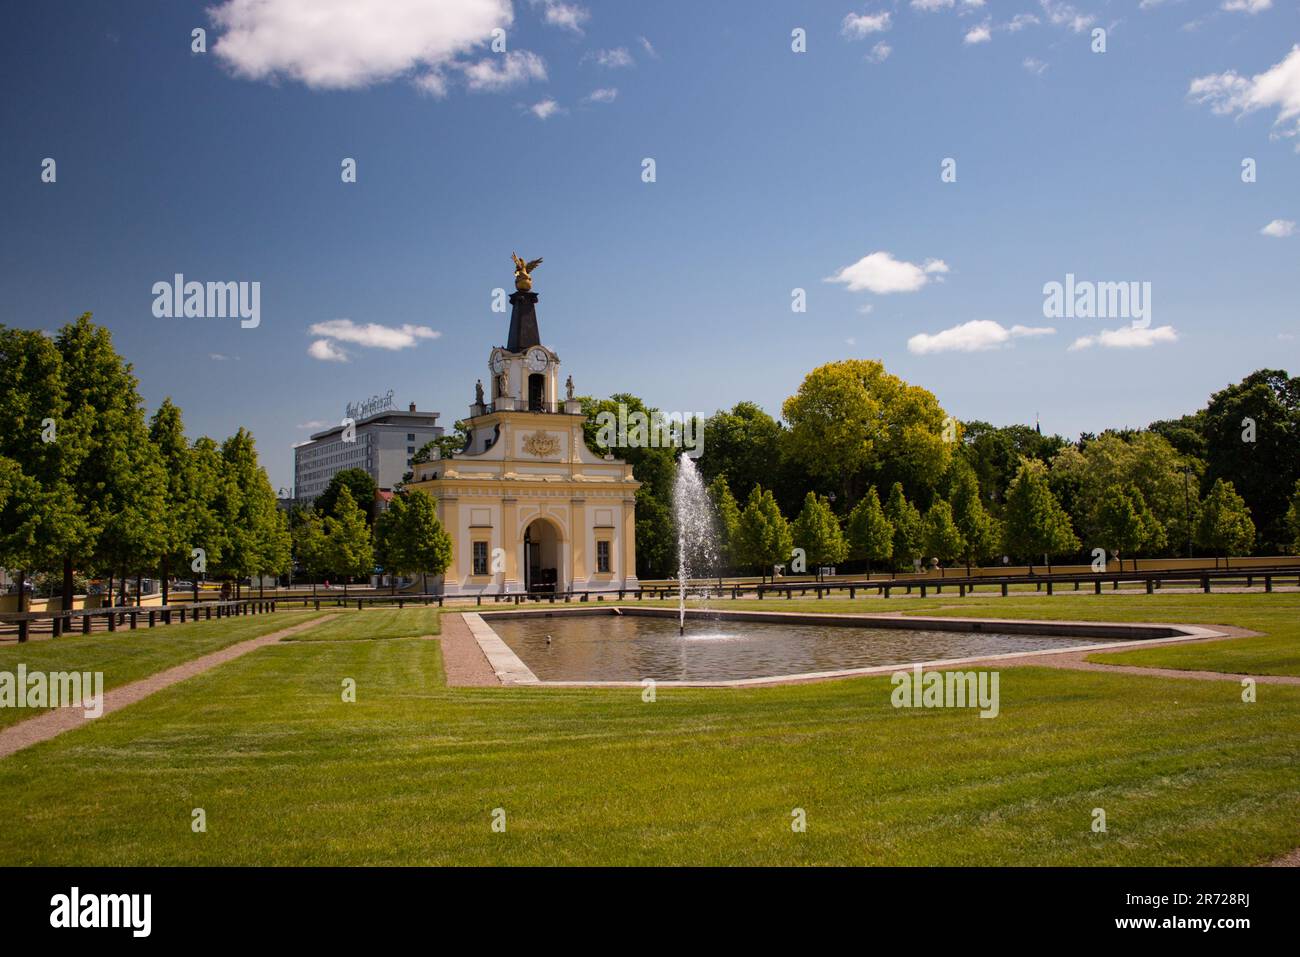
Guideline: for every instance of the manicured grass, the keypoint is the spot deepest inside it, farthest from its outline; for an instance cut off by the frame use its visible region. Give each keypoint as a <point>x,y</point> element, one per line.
<point>287,773</point>
<point>349,625</point>
<point>1276,616</point>
<point>125,656</point>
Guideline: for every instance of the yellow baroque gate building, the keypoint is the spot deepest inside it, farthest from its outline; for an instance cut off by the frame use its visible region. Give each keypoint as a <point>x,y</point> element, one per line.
<point>528,505</point>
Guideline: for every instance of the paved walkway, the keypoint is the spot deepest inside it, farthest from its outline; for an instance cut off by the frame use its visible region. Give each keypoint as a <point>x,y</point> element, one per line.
<point>49,724</point>
<point>462,659</point>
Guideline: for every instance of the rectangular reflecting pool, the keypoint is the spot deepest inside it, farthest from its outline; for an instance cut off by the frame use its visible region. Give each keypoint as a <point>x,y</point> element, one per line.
<point>633,647</point>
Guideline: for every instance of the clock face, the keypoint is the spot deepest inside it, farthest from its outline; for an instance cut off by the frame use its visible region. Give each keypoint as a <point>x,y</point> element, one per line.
<point>498,363</point>
<point>537,360</point>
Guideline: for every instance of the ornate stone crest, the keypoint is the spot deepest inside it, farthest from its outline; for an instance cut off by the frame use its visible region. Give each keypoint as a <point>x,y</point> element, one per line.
<point>541,444</point>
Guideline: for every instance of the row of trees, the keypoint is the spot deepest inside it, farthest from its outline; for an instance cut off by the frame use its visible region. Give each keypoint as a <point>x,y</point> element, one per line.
<point>337,535</point>
<point>1221,481</point>
<point>88,485</point>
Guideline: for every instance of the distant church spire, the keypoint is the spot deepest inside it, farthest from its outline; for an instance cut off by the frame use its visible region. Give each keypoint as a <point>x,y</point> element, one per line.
<point>1037,427</point>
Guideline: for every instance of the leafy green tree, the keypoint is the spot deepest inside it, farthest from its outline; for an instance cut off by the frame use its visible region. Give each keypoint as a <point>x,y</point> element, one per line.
<point>445,445</point>
<point>817,531</point>
<point>348,549</point>
<point>215,503</point>
<point>41,523</point>
<point>909,527</point>
<point>724,503</point>
<point>413,540</point>
<point>1036,524</point>
<point>1226,527</point>
<point>995,453</point>
<point>943,540</point>
<point>978,528</point>
<point>257,536</point>
<point>309,545</point>
<point>1252,430</point>
<point>359,484</point>
<point>1125,524</point>
<point>743,444</point>
<point>1293,519</point>
<point>177,521</point>
<point>764,537</point>
<point>852,422</point>
<point>870,535</point>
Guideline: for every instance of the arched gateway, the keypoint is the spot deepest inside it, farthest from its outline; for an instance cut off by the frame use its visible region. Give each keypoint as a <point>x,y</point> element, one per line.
<point>528,506</point>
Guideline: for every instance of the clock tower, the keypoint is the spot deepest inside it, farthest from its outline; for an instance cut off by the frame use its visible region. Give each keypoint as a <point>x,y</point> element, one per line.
<point>530,508</point>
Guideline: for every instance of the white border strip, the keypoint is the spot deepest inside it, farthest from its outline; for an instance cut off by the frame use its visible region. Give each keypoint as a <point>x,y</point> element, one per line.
<point>509,667</point>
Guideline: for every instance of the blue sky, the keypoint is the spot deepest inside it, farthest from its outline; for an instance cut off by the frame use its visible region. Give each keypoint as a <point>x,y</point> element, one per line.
<point>775,170</point>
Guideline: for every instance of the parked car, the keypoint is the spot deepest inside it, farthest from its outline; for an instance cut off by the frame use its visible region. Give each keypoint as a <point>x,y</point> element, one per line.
<point>182,586</point>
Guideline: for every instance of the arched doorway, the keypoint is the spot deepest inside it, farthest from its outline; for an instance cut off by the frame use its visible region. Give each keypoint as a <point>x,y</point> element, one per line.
<point>542,555</point>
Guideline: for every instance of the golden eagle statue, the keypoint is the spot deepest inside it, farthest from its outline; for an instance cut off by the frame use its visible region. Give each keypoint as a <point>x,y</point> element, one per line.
<point>523,270</point>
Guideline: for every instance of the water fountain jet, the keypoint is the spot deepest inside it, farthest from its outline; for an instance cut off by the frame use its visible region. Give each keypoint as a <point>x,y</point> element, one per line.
<point>693,515</point>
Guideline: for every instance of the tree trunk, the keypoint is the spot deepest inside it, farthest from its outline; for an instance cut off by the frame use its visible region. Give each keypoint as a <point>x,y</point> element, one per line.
<point>424,582</point>
<point>108,595</point>
<point>67,583</point>
<point>162,577</point>
<point>139,580</point>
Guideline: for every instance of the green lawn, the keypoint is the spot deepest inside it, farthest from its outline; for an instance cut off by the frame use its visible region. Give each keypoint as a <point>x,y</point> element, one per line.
<point>125,656</point>
<point>288,773</point>
<point>375,623</point>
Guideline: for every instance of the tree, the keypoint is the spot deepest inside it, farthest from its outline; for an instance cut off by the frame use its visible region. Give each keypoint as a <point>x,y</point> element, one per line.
<point>764,535</point>
<point>41,523</point>
<point>348,549</point>
<point>309,545</point>
<point>742,444</point>
<point>177,521</point>
<point>870,535</point>
<point>1226,526</point>
<point>909,528</point>
<point>978,528</point>
<point>724,503</point>
<point>1126,526</point>
<point>1252,432</point>
<point>995,453</point>
<point>215,509</point>
<point>943,540</point>
<point>1035,522</point>
<point>413,538</point>
<point>817,531</point>
<point>257,539</point>
<point>361,487</point>
<point>444,446</point>
<point>117,484</point>
<point>1293,519</point>
<point>851,421</point>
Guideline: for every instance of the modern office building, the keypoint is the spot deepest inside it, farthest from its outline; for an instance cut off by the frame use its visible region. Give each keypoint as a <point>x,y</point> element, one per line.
<point>382,443</point>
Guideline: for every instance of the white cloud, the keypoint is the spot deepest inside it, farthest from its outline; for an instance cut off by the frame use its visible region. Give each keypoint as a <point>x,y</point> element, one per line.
<point>1279,228</point>
<point>222,357</point>
<point>930,6</point>
<point>1278,86</point>
<point>1034,66</point>
<point>340,44</point>
<point>1127,337</point>
<point>605,94</point>
<point>648,47</point>
<point>566,16</point>
<point>502,71</point>
<point>858,25</point>
<point>372,334</point>
<point>978,34</point>
<point>1063,14</point>
<point>881,273</point>
<point>977,335</point>
<point>1020,21</point>
<point>326,351</point>
<point>977,4</point>
<point>880,52</point>
<point>313,424</point>
<point>611,59</point>
<point>1247,6</point>
<point>544,109</point>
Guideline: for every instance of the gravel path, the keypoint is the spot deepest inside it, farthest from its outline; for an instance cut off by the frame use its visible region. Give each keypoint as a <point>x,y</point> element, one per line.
<point>462,659</point>
<point>48,724</point>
